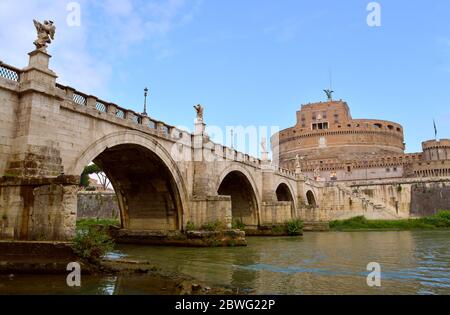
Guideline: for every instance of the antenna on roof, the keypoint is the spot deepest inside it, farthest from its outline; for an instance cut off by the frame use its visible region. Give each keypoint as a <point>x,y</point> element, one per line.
<point>329,92</point>
<point>331,79</point>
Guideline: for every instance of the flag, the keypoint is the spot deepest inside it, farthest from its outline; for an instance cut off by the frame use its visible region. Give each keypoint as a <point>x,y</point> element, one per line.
<point>435,128</point>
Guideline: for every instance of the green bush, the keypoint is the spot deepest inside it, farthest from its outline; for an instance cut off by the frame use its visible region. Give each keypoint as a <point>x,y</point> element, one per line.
<point>291,227</point>
<point>238,225</point>
<point>294,227</point>
<point>441,220</point>
<point>190,226</point>
<point>92,243</point>
<point>213,226</point>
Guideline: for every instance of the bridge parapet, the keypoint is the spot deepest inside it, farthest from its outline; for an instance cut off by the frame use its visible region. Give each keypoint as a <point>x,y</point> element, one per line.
<point>286,173</point>
<point>9,72</point>
<point>120,115</point>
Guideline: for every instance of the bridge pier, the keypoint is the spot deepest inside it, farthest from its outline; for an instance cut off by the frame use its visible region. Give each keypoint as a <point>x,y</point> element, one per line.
<point>37,202</point>
<point>38,209</point>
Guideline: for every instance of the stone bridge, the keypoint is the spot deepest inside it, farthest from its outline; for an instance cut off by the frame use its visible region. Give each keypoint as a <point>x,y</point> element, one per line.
<point>164,177</point>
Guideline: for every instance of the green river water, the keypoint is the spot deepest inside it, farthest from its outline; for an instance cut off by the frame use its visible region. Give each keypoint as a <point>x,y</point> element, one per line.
<point>412,262</point>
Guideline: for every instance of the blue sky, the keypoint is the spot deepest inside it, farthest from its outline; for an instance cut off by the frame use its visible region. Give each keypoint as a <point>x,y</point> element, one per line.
<point>250,62</point>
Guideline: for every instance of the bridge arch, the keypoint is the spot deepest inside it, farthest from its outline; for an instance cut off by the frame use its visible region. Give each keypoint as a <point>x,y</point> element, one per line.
<point>311,198</point>
<point>238,183</point>
<point>147,181</point>
<point>284,192</point>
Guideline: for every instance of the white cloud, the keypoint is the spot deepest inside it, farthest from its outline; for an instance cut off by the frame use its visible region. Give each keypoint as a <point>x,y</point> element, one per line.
<point>84,56</point>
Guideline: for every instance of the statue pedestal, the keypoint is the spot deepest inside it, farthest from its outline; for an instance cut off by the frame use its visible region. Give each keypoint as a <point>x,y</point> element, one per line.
<point>199,127</point>
<point>265,156</point>
<point>39,59</point>
<point>37,75</point>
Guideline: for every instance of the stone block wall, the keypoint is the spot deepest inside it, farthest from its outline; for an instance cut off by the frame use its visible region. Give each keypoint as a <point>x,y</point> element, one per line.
<point>38,209</point>
<point>276,213</point>
<point>428,199</point>
<point>9,102</point>
<point>209,210</point>
<point>101,205</point>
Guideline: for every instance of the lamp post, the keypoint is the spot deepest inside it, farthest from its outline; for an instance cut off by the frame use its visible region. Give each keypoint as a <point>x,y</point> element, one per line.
<point>145,101</point>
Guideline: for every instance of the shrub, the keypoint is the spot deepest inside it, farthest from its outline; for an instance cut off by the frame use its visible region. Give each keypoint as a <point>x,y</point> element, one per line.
<point>291,227</point>
<point>238,225</point>
<point>294,227</point>
<point>441,220</point>
<point>190,226</point>
<point>212,226</point>
<point>92,243</point>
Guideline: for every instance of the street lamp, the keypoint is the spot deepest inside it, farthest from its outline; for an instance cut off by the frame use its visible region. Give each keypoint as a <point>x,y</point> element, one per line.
<point>145,101</point>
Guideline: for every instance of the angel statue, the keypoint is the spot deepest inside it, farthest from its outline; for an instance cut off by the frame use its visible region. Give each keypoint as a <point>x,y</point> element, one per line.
<point>264,144</point>
<point>329,94</point>
<point>45,34</point>
<point>298,163</point>
<point>199,109</point>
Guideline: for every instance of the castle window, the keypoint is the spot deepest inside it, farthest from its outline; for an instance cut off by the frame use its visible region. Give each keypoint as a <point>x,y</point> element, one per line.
<point>388,170</point>
<point>395,169</point>
<point>324,115</point>
<point>320,126</point>
<point>399,130</point>
<point>336,118</point>
<point>379,126</point>
<point>390,127</point>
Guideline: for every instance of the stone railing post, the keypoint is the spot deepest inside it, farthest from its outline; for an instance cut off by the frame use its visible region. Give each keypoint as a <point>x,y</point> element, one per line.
<point>145,121</point>
<point>69,93</point>
<point>129,115</point>
<point>91,102</point>
<point>112,109</point>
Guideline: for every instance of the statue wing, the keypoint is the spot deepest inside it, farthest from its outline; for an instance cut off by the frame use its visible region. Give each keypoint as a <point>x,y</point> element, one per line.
<point>52,32</point>
<point>38,25</point>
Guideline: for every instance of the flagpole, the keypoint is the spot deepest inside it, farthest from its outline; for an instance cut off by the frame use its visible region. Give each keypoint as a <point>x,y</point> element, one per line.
<point>435,130</point>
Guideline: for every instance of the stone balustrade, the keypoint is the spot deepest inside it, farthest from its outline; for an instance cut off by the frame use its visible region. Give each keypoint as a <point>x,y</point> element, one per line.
<point>120,114</point>
<point>9,72</point>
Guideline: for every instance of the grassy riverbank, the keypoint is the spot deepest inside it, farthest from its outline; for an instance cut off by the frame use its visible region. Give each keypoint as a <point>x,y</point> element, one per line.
<point>84,224</point>
<point>439,221</point>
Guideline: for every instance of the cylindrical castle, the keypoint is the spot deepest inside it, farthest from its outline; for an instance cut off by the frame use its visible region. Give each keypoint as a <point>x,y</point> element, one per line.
<point>326,131</point>
<point>436,150</point>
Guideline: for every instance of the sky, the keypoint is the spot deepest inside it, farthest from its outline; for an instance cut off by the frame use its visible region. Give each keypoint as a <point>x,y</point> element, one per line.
<point>248,62</point>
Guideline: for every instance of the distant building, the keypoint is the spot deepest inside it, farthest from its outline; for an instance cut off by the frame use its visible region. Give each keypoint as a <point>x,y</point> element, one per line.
<point>329,145</point>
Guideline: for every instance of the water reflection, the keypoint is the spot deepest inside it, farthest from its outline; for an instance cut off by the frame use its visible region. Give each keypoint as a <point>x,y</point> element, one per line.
<point>413,262</point>
<point>319,263</point>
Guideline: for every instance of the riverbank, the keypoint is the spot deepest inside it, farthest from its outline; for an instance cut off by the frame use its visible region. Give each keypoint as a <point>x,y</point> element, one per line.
<point>19,260</point>
<point>439,221</point>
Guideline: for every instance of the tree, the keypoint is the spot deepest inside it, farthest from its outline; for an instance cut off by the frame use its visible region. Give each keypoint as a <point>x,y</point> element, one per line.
<point>94,169</point>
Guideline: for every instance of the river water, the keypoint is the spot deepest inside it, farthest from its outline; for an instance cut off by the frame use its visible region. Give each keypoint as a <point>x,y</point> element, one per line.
<point>412,262</point>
